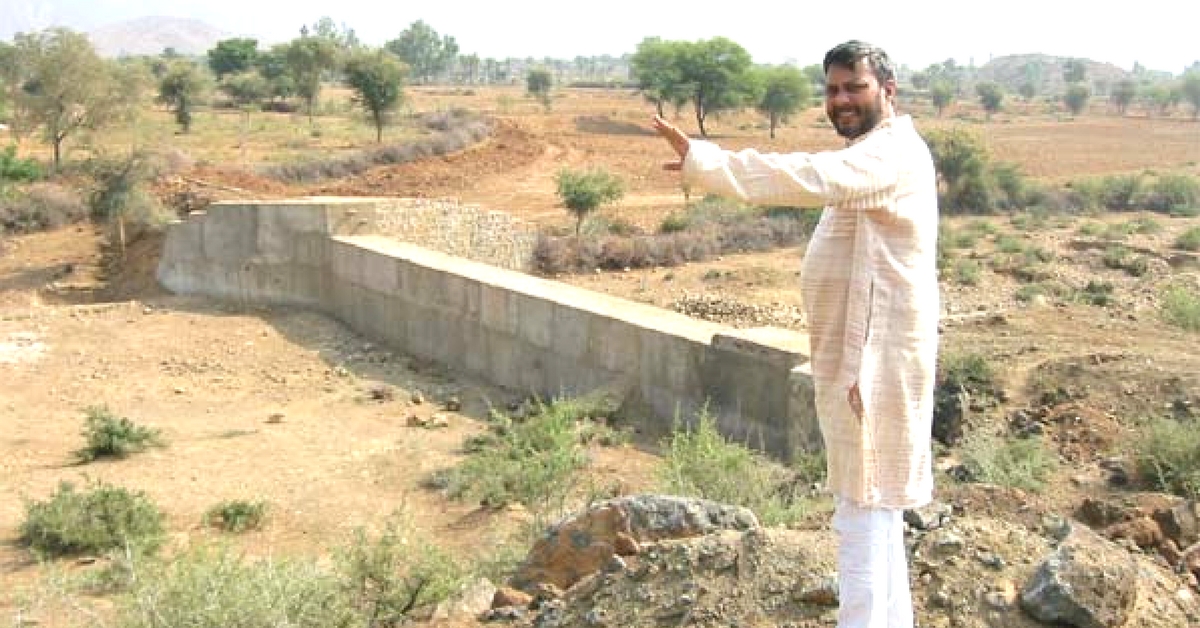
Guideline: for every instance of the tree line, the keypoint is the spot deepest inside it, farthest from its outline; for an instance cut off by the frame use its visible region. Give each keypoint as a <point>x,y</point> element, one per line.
<point>53,81</point>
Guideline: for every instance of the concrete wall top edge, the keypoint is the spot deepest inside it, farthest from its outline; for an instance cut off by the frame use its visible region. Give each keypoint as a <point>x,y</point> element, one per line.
<point>306,200</point>
<point>639,314</point>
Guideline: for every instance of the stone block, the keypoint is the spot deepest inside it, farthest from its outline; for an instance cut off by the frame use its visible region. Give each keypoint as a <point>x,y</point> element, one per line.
<point>229,232</point>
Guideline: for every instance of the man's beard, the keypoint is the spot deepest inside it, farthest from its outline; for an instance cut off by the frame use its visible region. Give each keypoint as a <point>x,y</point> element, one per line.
<point>868,117</point>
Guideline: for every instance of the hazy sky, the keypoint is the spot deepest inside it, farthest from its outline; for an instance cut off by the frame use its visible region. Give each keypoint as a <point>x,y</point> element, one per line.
<point>1159,35</point>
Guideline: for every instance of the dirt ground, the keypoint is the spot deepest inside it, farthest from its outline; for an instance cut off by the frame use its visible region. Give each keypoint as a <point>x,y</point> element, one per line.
<point>278,404</point>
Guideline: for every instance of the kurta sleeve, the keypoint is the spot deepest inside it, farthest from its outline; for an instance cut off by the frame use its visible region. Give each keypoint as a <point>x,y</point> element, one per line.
<point>858,177</point>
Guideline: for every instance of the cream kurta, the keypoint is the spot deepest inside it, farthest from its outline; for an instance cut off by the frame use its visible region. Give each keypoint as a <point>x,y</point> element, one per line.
<point>870,291</point>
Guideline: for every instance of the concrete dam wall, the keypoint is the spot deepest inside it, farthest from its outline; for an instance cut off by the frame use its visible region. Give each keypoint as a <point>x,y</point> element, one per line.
<point>348,259</point>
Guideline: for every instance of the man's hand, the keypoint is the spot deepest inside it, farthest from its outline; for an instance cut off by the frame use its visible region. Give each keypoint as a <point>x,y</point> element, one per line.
<point>676,138</point>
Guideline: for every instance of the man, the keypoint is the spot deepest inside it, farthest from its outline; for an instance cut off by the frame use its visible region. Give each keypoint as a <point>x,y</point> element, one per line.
<point>870,292</point>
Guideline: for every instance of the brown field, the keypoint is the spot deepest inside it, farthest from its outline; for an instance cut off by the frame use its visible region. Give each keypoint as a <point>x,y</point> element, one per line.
<point>275,404</point>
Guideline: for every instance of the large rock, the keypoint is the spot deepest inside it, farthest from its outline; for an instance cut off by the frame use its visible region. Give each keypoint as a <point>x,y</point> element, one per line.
<point>592,540</point>
<point>1090,582</point>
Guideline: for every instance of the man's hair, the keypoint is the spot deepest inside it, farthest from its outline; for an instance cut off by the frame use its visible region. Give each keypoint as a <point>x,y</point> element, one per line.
<point>851,53</point>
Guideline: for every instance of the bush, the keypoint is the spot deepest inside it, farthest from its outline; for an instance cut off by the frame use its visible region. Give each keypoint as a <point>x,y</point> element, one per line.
<point>1167,454</point>
<point>533,462</point>
<point>103,518</point>
<point>216,588</point>
<point>582,192</point>
<point>1181,308</point>
<point>385,578</point>
<point>237,515</point>
<point>1024,463</point>
<point>42,206</point>
<point>1098,293</point>
<point>967,272</point>
<point>1173,194</point>
<point>111,436</point>
<point>13,168</point>
<point>1189,240</point>
<point>700,462</point>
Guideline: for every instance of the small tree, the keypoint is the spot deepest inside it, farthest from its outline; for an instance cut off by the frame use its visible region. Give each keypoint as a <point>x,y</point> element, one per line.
<point>941,94</point>
<point>584,191</point>
<point>785,91</point>
<point>538,83</point>
<point>991,96</point>
<point>377,78</point>
<point>1123,94</point>
<point>1190,90</point>
<point>232,56</point>
<point>1076,98</point>
<point>181,88</point>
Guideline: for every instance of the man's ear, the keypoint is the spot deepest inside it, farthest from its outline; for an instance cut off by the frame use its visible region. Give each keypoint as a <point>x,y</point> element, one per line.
<point>889,88</point>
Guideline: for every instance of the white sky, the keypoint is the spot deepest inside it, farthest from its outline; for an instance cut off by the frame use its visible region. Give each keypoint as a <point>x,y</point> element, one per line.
<point>1158,34</point>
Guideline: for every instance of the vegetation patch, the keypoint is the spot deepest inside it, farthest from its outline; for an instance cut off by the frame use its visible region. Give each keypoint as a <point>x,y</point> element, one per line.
<point>112,436</point>
<point>102,518</point>
<point>450,131</point>
<point>237,515</point>
<point>700,462</point>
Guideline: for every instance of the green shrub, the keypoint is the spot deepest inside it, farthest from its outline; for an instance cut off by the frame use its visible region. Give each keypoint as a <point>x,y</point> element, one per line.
<point>1098,293</point>
<point>102,518</point>
<point>1176,194</point>
<point>1167,454</point>
<point>111,436</point>
<point>582,192</point>
<point>237,515</point>
<point>1120,258</point>
<point>967,272</point>
<point>385,577</point>
<point>1117,192</point>
<point>1189,240</point>
<point>1181,308</point>
<point>1024,463</point>
<point>13,168</point>
<point>700,462</point>
<point>533,462</point>
<point>218,588</point>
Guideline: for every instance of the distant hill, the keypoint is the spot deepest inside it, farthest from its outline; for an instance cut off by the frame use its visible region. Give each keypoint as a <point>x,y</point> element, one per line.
<point>152,35</point>
<point>1045,71</point>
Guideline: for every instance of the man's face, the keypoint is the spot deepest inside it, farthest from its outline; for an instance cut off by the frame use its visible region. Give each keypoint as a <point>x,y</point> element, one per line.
<point>854,99</point>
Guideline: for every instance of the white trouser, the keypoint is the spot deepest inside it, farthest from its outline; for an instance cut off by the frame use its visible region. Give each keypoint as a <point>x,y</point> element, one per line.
<point>873,587</point>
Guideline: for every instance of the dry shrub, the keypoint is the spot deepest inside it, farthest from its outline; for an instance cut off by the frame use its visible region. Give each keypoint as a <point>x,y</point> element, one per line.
<point>41,206</point>
<point>453,131</point>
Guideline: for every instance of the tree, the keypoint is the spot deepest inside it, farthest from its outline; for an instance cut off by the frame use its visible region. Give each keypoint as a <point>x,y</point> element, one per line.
<point>1163,98</point>
<point>425,51</point>
<point>941,95</point>
<point>1074,71</point>
<point>960,157</point>
<point>1076,97</point>
<point>307,59</point>
<point>343,38</point>
<point>1190,88</point>
<point>183,86</point>
<point>1123,94</point>
<point>1027,90</point>
<point>718,73</point>
<point>65,86</point>
<point>991,96</point>
<point>232,56</point>
<point>377,79</point>
<point>538,83</point>
<point>785,90</point>
<point>582,192</point>
<point>655,66</point>
<point>245,88</point>
<point>273,67</point>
